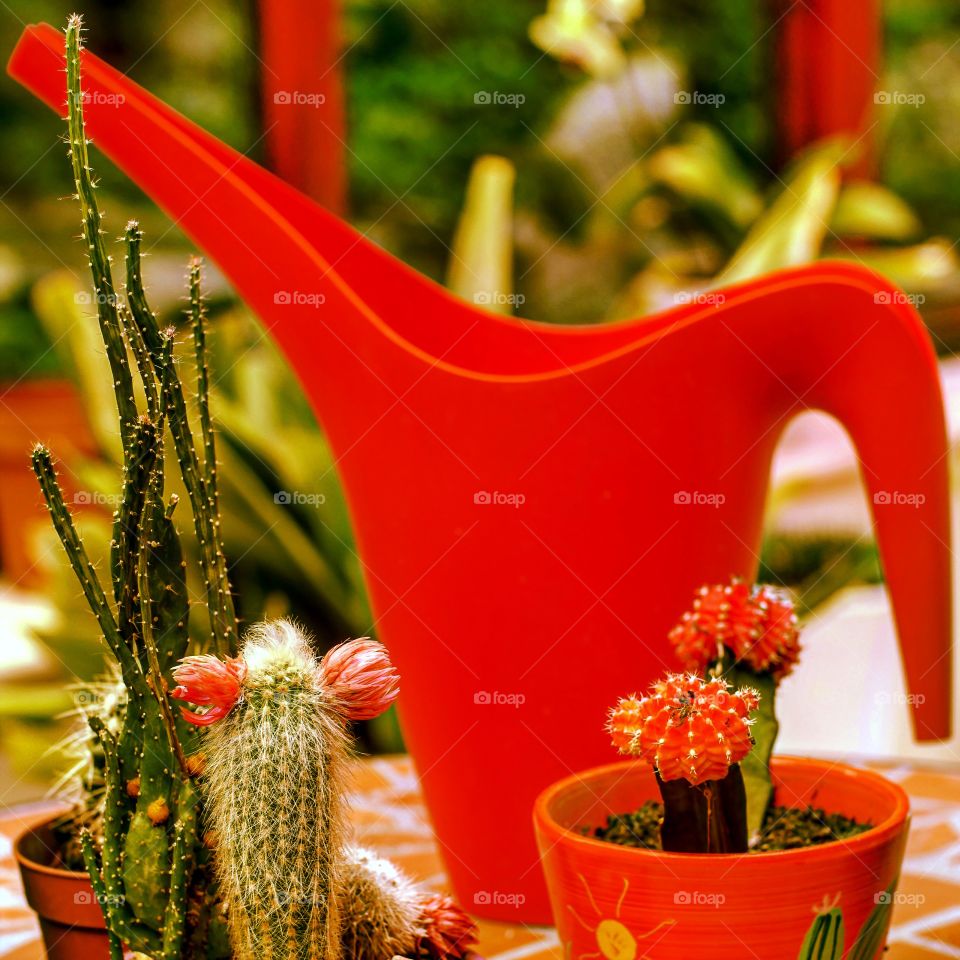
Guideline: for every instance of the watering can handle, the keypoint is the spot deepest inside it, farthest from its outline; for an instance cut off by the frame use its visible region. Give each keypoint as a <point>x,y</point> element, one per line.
<point>857,349</point>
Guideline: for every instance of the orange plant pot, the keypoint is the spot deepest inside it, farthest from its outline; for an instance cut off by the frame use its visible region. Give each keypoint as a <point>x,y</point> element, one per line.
<point>620,903</point>
<point>71,920</point>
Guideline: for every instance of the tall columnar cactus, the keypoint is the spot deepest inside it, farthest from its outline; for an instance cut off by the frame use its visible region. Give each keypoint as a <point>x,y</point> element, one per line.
<point>275,781</point>
<point>142,860</point>
<point>694,734</point>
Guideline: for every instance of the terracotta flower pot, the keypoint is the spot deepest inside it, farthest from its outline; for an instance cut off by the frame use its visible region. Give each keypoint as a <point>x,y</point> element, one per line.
<point>823,902</point>
<point>70,917</point>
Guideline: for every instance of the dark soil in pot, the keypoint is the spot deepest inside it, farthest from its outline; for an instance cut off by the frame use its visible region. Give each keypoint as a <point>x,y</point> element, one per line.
<point>784,828</point>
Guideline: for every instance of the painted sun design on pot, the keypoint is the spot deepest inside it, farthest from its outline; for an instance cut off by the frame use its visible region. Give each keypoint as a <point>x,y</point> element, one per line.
<point>615,941</point>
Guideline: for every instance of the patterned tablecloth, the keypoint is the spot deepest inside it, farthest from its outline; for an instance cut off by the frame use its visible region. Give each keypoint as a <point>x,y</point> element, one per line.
<point>390,817</point>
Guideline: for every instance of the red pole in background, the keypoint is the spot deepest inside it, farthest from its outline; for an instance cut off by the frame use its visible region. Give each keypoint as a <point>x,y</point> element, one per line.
<point>303,105</point>
<point>827,68</point>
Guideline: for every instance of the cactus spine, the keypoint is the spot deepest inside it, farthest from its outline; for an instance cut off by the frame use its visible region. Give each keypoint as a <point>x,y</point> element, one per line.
<point>274,785</point>
<point>142,860</point>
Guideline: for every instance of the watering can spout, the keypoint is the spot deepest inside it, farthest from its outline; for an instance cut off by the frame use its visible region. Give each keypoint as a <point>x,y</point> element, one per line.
<point>862,355</point>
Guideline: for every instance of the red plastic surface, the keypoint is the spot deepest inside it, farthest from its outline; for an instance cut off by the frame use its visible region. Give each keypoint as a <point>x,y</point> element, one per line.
<point>827,65</point>
<point>535,505</point>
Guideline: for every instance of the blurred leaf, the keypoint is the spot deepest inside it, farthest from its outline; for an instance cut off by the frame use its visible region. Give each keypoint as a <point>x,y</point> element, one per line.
<point>34,701</point>
<point>866,209</point>
<point>702,168</point>
<point>68,316</point>
<point>571,32</point>
<point>792,229</point>
<point>480,268</point>
<point>913,268</point>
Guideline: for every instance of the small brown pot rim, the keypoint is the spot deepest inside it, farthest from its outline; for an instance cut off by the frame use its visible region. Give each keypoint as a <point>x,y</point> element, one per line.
<point>876,835</point>
<point>26,863</point>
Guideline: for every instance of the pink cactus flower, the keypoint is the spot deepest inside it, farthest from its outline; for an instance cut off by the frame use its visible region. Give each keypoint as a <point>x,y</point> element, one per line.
<point>449,931</point>
<point>360,677</point>
<point>209,682</point>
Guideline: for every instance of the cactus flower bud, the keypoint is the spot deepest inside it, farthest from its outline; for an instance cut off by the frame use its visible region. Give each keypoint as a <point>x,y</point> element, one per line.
<point>360,678</point>
<point>210,682</point>
<point>687,728</point>
<point>386,915</point>
<point>450,932</point>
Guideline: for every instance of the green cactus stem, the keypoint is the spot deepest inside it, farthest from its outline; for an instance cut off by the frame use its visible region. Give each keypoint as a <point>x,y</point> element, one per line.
<point>381,908</point>
<point>105,294</point>
<point>203,500</point>
<point>99,889</point>
<point>142,860</point>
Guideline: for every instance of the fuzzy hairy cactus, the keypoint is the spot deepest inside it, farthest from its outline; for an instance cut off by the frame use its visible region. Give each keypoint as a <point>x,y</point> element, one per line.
<point>275,780</point>
<point>694,734</point>
<point>385,914</point>
<point>381,908</point>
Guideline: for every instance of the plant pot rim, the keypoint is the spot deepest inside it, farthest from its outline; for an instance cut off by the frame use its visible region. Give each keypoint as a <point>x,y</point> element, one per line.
<point>27,863</point>
<point>876,835</point>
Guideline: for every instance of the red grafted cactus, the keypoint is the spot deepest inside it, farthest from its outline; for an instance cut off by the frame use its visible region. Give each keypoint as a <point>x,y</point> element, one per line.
<point>753,626</point>
<point>777,648</point>
<point>694,733</point>
<point>687,728</point>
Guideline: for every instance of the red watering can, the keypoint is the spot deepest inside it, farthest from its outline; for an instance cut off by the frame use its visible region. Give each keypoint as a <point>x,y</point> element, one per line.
<point>535,505</point>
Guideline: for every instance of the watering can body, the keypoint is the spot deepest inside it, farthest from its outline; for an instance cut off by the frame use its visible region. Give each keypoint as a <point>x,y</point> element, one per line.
<point>535,506</point>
